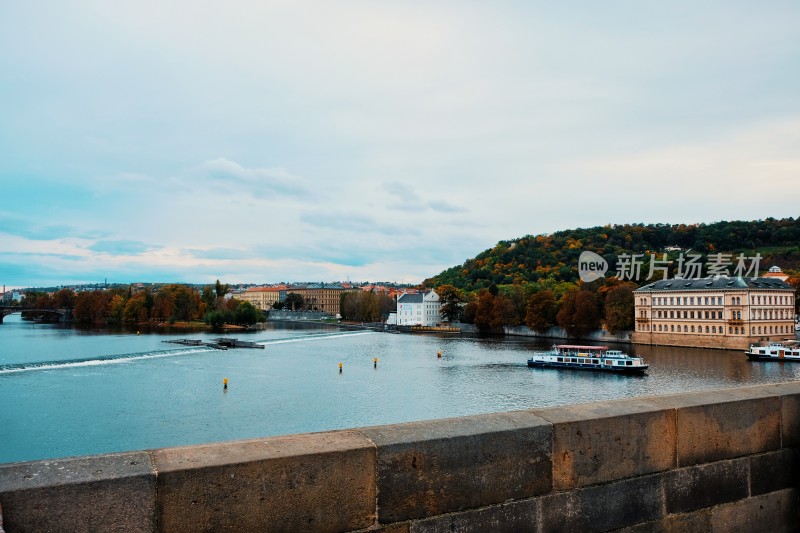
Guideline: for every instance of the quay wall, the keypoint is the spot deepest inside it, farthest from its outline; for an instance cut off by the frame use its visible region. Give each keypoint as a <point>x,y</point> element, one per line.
<point>555,332</point>
<point>723,460</point>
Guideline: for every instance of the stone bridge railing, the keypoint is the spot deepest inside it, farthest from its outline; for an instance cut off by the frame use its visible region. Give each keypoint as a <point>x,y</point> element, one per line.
<point>710,461</point>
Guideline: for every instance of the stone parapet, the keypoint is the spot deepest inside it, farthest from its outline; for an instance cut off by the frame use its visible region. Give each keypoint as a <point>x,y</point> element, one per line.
<point>724,460</point>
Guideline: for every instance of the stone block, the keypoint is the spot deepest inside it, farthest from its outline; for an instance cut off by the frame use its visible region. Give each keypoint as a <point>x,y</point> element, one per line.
<point>773,471</point>
<point>790,420</point>
<point>603,507</point>
<point>513,517</point>
<point>696,521</point>
<point>607,441</point>
<point>775,512</point>
<point>310,482</point>
<point>102,493</point>
<point>705,485</point>
<point>725,424</point>
<point>441,466</point>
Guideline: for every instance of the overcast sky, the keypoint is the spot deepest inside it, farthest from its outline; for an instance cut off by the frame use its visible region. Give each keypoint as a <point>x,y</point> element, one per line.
<point>286,141</point>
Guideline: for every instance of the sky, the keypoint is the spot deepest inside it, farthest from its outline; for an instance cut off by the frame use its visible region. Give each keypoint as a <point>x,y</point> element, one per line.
<point>283,141</point>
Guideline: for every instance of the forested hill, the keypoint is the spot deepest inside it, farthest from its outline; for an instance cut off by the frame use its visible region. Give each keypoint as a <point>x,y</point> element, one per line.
<point>554,258</point>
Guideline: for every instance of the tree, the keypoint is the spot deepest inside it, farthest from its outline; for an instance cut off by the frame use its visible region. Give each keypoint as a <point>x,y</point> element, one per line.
<point>579,313</point>
<point>452,302</point>
<point>484,312</point>
<point>294,301</point>
<point>221,289</point>
<point>116,309</point>
<point>541,312</point>
<point>619,308</point>
<point>247,314</point>
<point>64,298</point>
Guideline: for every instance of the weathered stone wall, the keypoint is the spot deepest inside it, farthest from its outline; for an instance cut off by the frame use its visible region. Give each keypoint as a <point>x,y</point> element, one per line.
<point>724,460</point>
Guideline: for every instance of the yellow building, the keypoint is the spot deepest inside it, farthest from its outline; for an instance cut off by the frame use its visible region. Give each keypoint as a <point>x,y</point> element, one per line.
<point>722,312</point>
<point>263,297</point>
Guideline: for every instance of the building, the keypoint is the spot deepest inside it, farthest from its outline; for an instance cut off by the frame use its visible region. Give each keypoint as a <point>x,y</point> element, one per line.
<point>421,309</point>
<point>721,312</point>
<point>263,297</point>
<point>776,273</point>
<point>322,297</point>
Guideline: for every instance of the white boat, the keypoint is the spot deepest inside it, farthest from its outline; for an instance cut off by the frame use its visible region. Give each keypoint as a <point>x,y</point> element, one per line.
<point>598,358</point>
<point>774,351</point>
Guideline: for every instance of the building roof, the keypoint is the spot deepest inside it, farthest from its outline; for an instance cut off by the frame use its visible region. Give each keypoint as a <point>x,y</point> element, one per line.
<point>720,283</point>
<point>410,298</point>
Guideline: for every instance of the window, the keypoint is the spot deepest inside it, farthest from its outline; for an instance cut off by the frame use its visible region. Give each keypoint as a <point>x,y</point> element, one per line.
<point>706,329</point>
<point>685,328</point>
<point>713,329</point>
<point>692,329</point>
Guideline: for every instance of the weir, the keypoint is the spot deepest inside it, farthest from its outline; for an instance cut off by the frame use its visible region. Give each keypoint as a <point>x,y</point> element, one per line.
<point>723,460</point>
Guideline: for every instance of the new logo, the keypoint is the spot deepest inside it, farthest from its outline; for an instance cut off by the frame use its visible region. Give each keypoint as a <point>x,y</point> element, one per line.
<point>591,266</point>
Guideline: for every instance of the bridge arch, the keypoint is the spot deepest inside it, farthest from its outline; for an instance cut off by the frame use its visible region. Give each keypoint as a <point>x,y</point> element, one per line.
<point>65,315</point>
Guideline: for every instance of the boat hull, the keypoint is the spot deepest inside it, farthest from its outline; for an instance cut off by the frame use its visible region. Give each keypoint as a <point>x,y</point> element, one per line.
<point>593,367</point>
<point>766,357</point>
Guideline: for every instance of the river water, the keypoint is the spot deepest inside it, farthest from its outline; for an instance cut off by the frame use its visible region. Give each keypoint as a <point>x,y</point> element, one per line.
<point>66,391</point>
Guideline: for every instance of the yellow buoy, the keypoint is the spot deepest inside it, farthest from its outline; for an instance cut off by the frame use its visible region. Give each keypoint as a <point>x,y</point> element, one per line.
<point>340,368</point>
<point>439,354</point>
<point>225,383</point>
<point>375,362</point>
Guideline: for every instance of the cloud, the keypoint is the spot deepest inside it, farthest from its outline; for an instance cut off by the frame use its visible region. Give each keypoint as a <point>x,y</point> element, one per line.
<point>225,176</point>
<point>405,197</point>
<point>122,247</point>
<point>358,224</point>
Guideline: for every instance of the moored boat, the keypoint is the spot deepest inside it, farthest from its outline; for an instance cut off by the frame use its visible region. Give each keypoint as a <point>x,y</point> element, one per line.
<point>774,351</point>
<point>599,358</point>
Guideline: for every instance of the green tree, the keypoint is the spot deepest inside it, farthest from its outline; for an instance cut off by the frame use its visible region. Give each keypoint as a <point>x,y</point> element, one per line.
<point>247,314</point>
<point>452,302</point>
<point>294,301</point>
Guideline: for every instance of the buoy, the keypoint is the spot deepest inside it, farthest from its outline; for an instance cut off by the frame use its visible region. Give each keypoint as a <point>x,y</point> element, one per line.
<point>225,383</point>
<point>375,363</point>
<point>137,332</point>
<point>340,368</point>
<point>439,354</point>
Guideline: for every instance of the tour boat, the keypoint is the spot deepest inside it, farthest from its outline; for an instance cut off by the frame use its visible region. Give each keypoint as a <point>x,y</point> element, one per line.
<point>588,358</point>
<point>775,351</point>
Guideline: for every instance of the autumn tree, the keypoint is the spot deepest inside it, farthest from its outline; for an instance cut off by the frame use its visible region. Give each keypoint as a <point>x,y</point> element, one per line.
<point>579,313</point>
<point>619,308</point>
<point>485,318</point>
<point>541,311</point>
<point>64,299</point>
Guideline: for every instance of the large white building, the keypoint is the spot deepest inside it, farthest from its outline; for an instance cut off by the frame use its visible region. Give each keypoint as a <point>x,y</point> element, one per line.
<point>421,309</point>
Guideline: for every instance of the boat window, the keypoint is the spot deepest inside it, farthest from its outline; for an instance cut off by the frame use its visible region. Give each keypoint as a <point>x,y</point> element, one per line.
<point>629,363</point>
<point>595,361</point>
<point>560,359</point>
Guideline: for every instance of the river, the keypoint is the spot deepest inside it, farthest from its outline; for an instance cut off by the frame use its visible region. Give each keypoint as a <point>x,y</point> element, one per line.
<point>66,391</point>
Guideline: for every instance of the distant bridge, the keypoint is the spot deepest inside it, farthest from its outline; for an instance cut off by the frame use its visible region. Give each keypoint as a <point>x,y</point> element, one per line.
<point>65,315</point>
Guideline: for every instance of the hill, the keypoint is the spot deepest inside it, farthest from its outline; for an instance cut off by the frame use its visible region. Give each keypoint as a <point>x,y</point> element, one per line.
<point>552,259</point>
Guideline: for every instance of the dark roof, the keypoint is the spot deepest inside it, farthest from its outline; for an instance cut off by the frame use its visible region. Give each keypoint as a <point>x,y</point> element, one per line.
<point>410,299</point>
<point>720,283</point>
